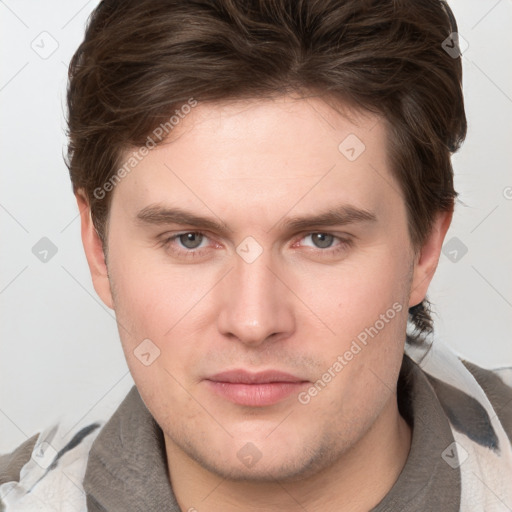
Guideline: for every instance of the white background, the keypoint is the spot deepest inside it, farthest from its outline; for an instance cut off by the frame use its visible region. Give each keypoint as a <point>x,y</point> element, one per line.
<point>60,352</point>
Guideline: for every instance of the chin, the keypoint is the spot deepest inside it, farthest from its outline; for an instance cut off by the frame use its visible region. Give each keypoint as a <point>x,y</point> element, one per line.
<point>268,464</point>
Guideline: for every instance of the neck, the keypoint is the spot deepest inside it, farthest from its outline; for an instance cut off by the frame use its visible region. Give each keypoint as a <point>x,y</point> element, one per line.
<point>356,482</point>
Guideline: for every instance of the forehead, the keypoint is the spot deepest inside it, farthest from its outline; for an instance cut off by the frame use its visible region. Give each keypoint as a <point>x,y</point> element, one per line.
<point>267,153</point>
<point>279,126</point>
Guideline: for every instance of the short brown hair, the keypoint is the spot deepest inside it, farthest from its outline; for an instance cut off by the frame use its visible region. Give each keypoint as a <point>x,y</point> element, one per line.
<point>143,59</point>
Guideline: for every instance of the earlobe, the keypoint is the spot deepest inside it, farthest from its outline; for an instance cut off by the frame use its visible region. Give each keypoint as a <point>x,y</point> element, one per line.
<point>94,251</point>
<point>428,258</point>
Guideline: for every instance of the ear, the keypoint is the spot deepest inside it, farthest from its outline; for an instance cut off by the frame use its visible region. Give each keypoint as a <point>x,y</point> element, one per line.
<point>94,251</point>
<point>428,258</point>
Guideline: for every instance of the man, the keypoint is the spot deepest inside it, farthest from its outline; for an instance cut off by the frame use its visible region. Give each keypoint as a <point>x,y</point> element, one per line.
<point>264,190</point>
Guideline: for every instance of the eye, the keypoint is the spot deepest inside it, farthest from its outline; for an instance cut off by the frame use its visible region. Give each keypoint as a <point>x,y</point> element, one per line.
<point>188,245</point>
<point>325,246</point>
<point>191,240</point>
<point>322,240</point>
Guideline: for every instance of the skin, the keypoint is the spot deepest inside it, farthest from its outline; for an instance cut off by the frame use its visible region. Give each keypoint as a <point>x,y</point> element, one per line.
<point>252,166</point>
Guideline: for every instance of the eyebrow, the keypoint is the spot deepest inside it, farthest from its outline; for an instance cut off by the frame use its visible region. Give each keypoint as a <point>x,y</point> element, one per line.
<point>340,216</point>
<point>159,215</point>
<point>345,214</point>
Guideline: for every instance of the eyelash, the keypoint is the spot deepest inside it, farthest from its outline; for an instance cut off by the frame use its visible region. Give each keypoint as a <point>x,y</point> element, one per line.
<point>343,244</point>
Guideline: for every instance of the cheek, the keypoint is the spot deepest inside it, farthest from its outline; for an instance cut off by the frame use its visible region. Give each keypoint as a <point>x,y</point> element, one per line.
<point>152,295</point>
<point>165,305</point>
<point>365,305</point>
<point>353,295</point>
<point>156,327</point>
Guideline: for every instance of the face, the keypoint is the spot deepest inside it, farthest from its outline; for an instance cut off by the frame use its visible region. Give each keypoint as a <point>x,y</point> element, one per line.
<point>260,268</point>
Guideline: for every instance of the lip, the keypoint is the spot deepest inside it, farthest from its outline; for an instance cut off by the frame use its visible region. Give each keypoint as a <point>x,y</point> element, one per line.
<point>255,389</point>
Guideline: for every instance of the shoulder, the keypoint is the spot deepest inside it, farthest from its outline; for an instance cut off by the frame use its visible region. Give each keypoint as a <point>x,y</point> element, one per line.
<point>11,463</point>
<point>45,468</point>
<point>497,385</point>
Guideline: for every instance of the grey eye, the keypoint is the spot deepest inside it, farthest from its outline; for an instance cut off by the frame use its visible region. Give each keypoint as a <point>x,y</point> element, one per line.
<point>322,240</point>
<point>191,240</point>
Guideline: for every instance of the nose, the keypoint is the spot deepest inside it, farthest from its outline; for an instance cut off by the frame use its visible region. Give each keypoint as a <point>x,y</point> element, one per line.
<point>255,305</point>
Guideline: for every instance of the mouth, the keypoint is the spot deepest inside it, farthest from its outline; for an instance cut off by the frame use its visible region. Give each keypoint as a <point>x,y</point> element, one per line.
<point>255,389</point>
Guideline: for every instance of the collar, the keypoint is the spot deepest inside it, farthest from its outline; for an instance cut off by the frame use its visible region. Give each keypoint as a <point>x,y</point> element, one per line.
<point>427,482</point>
